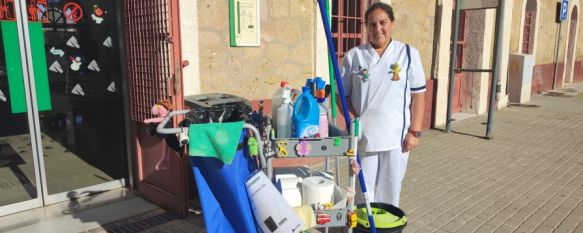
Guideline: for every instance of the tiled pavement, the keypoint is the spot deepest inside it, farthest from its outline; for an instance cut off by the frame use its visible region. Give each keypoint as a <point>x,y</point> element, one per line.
<point>528,178</point>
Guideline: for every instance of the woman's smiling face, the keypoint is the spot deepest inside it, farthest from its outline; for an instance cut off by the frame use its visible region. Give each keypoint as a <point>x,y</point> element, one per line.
<point>380,28</point>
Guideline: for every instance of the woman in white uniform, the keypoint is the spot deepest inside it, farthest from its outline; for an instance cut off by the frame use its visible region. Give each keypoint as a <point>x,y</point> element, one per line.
<point>384,85</point>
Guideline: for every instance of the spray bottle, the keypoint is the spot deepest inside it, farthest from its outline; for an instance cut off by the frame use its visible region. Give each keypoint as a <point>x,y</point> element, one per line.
<point>284,115</point>
<point>276,100</point>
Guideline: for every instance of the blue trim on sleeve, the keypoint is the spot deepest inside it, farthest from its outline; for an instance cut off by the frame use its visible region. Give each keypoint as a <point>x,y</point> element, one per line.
<point>405,94</point>
<point>417,88</point>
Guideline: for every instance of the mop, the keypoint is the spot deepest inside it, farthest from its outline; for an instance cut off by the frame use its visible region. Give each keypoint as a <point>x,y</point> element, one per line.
<point>332,51</point>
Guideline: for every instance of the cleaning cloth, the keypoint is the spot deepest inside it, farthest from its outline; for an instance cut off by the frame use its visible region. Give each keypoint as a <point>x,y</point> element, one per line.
<point>216,140</point>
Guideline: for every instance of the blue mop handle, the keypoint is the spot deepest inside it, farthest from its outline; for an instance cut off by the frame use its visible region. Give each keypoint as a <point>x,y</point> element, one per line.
<point>365,197</point>
<point>332,51</point>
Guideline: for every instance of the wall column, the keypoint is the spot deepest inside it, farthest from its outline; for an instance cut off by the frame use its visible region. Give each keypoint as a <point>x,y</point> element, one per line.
<point>189,40</point>
<point>441,72</point>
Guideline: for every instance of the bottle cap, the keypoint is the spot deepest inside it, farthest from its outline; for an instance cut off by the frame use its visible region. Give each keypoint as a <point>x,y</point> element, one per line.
<point>283,84</point>
<point>320,83</point>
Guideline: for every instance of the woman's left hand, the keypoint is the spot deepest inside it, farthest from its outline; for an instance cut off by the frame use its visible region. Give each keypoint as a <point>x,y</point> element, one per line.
<point>410,142</point>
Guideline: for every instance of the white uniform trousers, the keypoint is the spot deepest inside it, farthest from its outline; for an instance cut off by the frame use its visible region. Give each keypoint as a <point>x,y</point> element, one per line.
<point>383,173</point>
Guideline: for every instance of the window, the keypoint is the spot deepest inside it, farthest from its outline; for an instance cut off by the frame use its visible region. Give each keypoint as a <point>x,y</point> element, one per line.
<point>461,38</point>
<point>347,25</point>
<point>529,27</point>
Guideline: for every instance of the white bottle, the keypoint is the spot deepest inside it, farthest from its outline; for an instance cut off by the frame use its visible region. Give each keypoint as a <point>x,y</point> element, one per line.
<point>277,99</point>
<point>284,114</point>
<point>323,118</point>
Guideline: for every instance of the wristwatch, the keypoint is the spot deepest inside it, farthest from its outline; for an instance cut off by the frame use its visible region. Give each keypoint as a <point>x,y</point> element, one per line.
<point>416,134</point>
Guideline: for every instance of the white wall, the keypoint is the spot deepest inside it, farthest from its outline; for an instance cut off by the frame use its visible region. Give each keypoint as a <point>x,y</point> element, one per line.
<point>189,42</point>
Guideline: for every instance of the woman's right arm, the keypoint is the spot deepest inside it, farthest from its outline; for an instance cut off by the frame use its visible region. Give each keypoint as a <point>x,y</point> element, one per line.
<point>345,72</point>
<point>351,109</point>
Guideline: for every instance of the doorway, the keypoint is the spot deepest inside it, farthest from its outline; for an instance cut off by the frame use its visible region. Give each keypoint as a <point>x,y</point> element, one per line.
<point>571,46</point>
<point>62,131</point>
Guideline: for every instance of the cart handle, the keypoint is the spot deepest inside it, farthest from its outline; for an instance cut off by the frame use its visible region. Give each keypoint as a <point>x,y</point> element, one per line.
<point>162,130</point>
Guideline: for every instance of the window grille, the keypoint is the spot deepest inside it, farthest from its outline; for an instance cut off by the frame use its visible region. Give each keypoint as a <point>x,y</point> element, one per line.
<point>528,32</point>
<point>152,49</point>
<point>348,24</point>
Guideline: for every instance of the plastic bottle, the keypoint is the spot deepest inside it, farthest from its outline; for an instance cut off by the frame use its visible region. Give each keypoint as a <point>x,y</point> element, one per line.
<point>323,119</point>
<point>284,114</point>
<point>306,116</point>
<point>321,99</point>
<point>276,100</point>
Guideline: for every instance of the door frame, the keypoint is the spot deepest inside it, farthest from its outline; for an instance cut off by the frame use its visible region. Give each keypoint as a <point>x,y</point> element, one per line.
<point>571,41</point>
<point>31,106</point>
<point>43,198</point>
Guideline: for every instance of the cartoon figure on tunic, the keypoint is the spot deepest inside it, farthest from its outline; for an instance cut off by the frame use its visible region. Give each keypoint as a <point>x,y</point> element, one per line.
<point>395,69</point>
<point>362,73</point>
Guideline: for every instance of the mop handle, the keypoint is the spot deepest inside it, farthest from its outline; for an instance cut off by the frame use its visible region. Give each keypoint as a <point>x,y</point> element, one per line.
<point>347,119</point>
<point>332,51</point>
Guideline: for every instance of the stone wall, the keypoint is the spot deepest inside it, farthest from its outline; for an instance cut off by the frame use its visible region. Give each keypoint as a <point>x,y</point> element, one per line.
<point>546,44</point>
<point>286,51</point>
<point>415,25</point>
<point>579,46</point>
<point>515,35</point>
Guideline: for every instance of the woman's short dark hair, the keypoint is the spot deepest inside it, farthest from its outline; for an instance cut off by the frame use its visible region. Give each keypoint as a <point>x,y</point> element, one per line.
<point>383,6</point>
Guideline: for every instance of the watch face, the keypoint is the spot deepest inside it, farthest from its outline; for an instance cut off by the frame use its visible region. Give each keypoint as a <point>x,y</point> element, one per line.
<point>416,133</point>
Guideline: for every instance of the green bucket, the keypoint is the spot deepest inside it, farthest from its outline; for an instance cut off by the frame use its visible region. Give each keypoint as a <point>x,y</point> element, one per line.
<point>387,218</point>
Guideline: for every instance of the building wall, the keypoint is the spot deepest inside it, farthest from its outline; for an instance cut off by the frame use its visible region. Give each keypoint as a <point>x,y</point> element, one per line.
<point>579,46</point>
<point>189,42</point>
<point>286,52</point>
<point>546,45</point>
<point>415,26</point>
<point>517,15</point>
<point>478,55</point>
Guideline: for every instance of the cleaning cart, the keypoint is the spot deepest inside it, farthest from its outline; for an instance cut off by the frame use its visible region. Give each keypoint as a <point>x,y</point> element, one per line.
<point>338,211</point>
<point>220,180</point>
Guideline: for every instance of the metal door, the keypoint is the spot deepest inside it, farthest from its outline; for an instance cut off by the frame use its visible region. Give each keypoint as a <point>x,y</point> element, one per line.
<point>459,76</point>
<point>154,71</point>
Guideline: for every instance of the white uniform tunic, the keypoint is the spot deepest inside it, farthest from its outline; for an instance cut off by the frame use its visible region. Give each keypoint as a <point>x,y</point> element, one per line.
<point>382,103</point>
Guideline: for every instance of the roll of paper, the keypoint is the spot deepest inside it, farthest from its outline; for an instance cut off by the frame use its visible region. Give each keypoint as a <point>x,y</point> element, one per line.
<point>289,182</point>
<point>292,196</point>
<point>317,190</point>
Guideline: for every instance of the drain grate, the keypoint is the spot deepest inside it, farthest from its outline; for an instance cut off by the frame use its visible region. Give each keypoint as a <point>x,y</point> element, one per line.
<point>136,225</point>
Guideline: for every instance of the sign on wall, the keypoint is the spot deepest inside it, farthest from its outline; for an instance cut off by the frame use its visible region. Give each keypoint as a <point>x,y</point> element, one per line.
<point>244,22</point>
<point>564,10</point>
<point>478,4</point>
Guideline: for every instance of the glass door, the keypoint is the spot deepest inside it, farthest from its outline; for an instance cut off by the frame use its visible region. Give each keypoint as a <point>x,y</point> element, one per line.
<point>73,69</point>
<point>83,132</point>
<point>19,166</point>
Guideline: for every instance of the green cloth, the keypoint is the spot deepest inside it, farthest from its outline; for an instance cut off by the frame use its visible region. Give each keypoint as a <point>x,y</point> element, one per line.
<point>215,140</point>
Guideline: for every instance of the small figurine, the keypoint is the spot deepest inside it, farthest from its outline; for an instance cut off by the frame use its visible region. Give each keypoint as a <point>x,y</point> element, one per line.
<point>395,69</point>
<point>337,141</point>
<point>160,110</point>
<point>253,147</point>
<point>365,75</point>
<point>281,148</point>
<point>362,73</point>
<point>349,153</point>
<point>303,148</point>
